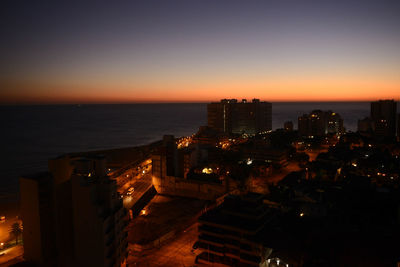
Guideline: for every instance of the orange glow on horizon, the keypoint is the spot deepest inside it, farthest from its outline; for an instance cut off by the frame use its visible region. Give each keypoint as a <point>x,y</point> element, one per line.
<point>279,89</point>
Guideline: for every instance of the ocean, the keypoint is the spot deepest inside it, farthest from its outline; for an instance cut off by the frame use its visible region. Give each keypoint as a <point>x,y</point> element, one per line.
<point>32,134</point>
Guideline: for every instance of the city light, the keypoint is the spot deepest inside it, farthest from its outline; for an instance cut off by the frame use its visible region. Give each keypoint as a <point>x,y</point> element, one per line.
<point>207,170</point>
<point>184,142</point>
<point>150,75</point>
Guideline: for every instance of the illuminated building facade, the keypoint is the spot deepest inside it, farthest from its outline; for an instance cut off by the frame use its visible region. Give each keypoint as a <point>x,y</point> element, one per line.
<point>73,215</point>
<point>320,123</point>
<point>170,172</point>
<point>230,116</point>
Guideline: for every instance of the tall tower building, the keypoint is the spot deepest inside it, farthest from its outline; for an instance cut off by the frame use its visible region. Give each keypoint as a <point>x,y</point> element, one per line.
<point>230,116</point>
<point>383,114</point>
<point>73,215</point>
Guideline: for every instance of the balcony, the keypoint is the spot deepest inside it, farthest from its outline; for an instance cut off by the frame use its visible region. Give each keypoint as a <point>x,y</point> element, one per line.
<point>212,240</point>
<point>211,248</point>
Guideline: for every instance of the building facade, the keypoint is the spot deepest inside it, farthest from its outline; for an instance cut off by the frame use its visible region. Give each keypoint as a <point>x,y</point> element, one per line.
<point>383,115</point>
<point>170,168</point>
<point>229,234</point>
<point>320,123</point>
<point>230,116</point>
<point>73,215</point>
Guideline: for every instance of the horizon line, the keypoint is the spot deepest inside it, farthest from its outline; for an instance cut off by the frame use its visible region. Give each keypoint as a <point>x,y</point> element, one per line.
<point>56,103</point>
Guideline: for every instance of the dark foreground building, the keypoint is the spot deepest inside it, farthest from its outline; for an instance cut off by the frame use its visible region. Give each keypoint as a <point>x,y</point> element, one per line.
<point>230,116</point>
<point>229,234</point>
<point>73,215</point>
<point>383,114</point>
<point>382,120</point>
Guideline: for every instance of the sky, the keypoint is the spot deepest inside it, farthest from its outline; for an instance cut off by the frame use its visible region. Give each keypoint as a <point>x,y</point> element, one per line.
<point>198,51</point>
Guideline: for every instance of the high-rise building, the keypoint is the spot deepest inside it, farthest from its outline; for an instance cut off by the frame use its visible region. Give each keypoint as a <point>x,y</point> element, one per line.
<point>319,123</point>
<point>230,234</point>
<point>230,116</point>
<point>383,114</point>
<point>73,215</point>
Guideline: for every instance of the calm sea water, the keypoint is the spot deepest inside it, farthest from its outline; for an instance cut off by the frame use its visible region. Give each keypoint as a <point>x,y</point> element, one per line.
<point>30,135</point>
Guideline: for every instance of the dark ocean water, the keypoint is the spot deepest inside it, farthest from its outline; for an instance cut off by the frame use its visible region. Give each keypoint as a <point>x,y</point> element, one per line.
<point>30,135</point>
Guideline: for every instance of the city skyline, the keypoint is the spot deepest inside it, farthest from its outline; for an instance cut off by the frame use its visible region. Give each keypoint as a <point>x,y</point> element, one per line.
<point>199,51</point>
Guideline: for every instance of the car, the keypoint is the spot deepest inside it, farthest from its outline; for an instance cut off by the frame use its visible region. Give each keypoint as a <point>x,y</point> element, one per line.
<point>130,191</point>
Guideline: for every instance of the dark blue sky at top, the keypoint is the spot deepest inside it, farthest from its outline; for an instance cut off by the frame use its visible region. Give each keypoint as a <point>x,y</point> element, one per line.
<point>31,26</point>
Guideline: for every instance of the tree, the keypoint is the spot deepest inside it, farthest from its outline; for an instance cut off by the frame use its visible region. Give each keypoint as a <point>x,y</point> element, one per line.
<point>16,230</point>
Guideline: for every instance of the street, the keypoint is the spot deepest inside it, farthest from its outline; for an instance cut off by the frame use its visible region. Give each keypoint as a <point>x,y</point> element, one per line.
<point>176,252</point>
<point>139,179</point>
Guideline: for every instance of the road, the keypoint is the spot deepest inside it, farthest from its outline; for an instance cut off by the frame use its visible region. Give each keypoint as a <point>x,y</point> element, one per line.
<point>11,255</point>
<point>138,178</point>
<point>313,153</point>
<point>177,252</point>
<point>140,187</point>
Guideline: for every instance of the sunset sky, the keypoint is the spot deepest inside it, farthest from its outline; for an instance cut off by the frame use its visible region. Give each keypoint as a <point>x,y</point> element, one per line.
<point>174,51</point>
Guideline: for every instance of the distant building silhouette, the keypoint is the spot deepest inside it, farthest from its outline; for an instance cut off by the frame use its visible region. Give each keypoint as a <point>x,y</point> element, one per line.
<point>319,123</point>
<point>73,215</point>
<point>383,114</point>
<point>288,126</point>
<point>365,126</point>
<point>230,116</point>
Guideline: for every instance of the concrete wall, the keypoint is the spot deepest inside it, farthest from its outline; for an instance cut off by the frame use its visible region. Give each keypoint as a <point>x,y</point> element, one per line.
<point>143,201</point>
<point>89,243</point>
<point>31,219</point>
<point>188,188</point>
